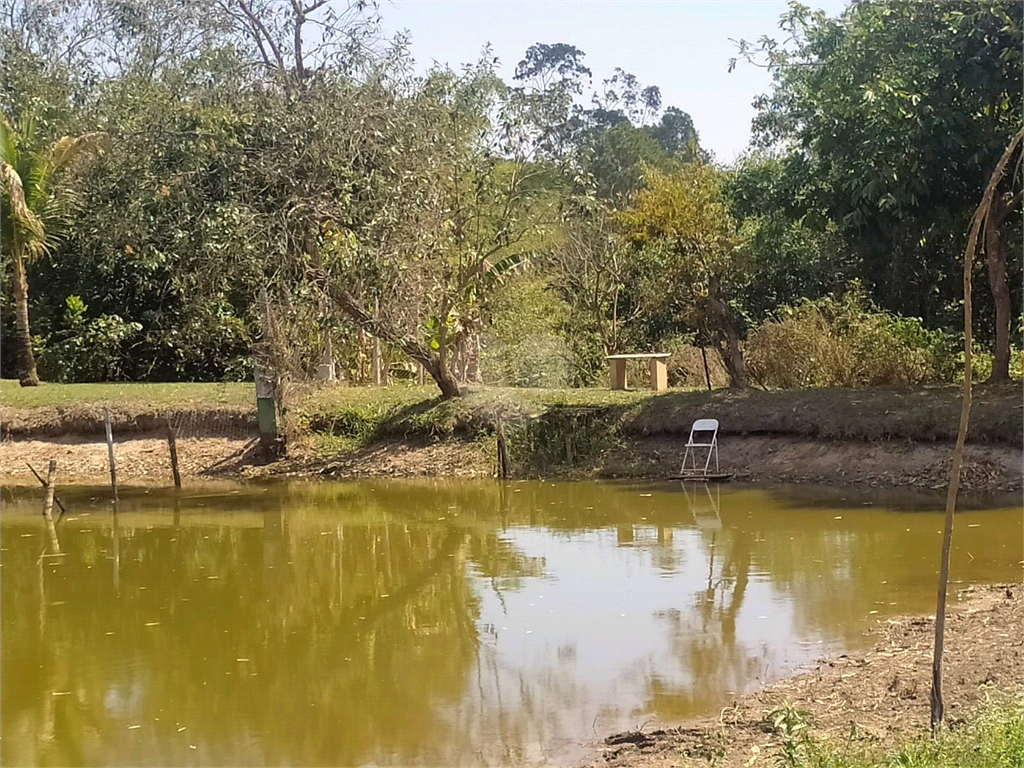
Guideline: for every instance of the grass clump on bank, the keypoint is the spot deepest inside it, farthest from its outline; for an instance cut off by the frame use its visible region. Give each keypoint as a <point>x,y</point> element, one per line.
<point>993,737</point>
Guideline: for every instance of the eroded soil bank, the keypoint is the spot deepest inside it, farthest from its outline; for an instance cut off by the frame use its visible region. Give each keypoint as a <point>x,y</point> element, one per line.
<point>144,458</point>
<point>878,697</point>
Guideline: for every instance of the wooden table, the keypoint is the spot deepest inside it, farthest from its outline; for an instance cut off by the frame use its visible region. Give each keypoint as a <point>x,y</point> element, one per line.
<point>658,367</point>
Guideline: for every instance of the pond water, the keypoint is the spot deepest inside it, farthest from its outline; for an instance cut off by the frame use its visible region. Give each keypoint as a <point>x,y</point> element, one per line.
<point>438,622</point>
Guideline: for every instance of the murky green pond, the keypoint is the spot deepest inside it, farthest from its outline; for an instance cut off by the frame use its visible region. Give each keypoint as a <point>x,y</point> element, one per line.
<point>436,623</point>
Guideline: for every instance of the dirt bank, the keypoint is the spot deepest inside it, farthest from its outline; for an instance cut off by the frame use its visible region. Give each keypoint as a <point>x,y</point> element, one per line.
<point>140,460</point>
<point>754,458</point>
<point>86,420</point>
<point>878,696</point>
<point>784,459</point>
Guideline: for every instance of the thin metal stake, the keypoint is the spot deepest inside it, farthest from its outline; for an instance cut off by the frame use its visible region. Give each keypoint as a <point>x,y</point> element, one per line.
<point>110,451</point>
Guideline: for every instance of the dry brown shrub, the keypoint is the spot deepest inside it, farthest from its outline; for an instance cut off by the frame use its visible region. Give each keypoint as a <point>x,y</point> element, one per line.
<point>686,368</point>
<point>841,343</point>
<point>801,351</point>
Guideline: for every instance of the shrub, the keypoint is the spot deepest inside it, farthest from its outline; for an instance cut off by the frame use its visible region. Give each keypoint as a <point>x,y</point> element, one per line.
<point>686,365</point>
<point>85,350</point>
<point>541,361</point>
<point>846,342</point>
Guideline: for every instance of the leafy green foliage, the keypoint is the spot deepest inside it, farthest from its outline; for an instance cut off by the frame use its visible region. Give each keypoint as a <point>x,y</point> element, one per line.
<point>900,111</point>
<point>371,201</point>
<point>86,350</point>
<point>682,221</point>
<point>790,724</point>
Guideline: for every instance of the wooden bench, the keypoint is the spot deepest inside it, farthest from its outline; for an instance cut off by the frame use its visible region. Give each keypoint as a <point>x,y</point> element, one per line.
<point>658,368</point>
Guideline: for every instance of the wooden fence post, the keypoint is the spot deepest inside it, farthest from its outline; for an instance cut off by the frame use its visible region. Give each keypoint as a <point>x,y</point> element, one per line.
<point>503,463</point>
<point>51,476</point>
<point>172,444</point>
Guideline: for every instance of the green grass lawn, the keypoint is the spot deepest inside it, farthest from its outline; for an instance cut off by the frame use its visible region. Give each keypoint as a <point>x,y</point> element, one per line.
<point>127,393</point>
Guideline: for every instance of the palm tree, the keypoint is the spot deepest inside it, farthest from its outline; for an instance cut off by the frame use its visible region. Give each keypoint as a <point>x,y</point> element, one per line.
<point>34,207</point>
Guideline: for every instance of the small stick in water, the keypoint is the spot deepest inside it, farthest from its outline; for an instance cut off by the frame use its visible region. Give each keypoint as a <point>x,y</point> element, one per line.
<point>43,483</point>
<point>48,507</point>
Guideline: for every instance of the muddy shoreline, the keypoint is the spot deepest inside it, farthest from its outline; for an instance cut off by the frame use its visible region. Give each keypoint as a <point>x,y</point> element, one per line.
<point>877,697</point>
<point>144,458</point>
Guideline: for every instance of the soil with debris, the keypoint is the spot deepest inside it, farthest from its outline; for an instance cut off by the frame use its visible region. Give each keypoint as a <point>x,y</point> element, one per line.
<point>139,460</point>
<point>880,696</point>
<point>144,457</point>
<point>784,459</point>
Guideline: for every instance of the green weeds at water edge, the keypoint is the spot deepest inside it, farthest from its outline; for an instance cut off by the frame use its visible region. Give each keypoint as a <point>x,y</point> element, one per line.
<point>995,737</point>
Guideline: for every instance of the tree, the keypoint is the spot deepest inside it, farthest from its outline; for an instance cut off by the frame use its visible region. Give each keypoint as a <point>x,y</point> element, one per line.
<point>462,197</point>
<point>793,249</point>
<point>35,206</point>
<point>295,42</point>
<point>900,109</point>
<point>682,220</point>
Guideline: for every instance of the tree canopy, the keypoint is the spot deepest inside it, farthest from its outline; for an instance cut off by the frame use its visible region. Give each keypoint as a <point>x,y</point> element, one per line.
<point>281,174</point>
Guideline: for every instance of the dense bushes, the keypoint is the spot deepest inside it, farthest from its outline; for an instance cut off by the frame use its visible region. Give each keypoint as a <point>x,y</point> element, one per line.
<point>847,342</point>
<point>85,349</point>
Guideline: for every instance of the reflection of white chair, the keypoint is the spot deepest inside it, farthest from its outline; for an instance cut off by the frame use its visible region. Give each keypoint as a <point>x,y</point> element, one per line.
<point>706,516</point>
<point>702,427</point>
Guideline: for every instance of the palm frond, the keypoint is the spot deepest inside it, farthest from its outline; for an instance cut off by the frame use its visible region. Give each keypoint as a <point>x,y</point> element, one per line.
<point>500,271</point>
<point>23,226</point>
<point>8,142</point>
<point>68,149</point>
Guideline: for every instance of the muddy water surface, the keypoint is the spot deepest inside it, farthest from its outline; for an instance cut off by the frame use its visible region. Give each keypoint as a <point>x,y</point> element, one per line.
<point>437,623</point>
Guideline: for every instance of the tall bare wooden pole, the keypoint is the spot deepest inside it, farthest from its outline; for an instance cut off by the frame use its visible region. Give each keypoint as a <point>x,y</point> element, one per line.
<point>958,452</point>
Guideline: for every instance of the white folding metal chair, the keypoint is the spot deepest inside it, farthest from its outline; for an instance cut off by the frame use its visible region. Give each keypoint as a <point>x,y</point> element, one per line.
<point>701,427</point>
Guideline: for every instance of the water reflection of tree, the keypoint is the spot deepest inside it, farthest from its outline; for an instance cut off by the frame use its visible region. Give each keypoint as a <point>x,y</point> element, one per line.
<point>703,636</point>
<point>370,625</point>
<point>354,608</point>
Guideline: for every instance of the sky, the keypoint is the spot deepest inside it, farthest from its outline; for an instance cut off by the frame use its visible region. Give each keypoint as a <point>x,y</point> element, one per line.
<point>681,46</point>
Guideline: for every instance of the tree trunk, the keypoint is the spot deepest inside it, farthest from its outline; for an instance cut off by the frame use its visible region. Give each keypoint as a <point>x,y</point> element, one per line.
<point>375,366</point>
<point>727,341</point>
<point>732,356</point>
<point>442,375</point>
<point>26,360</point>
<point>473,374</point>
<point>995,249</point>
<point>434,363</point>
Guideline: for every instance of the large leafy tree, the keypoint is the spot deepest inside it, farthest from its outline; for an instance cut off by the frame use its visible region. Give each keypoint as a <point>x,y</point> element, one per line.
<point>793,249</point>
<point>35,207</point>
<point>682,221</point>
<point>453,190</point>
<point>901,109</point>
